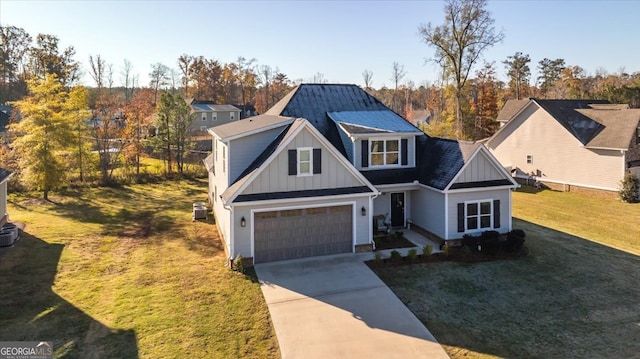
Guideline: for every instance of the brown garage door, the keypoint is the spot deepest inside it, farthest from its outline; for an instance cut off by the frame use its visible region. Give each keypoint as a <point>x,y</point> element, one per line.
<point>306,232</point>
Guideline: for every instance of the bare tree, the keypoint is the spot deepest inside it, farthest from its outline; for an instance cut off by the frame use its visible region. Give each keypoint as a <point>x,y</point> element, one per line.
<point>397,74</point>
<point>468,30</point>
<point>159,76</point>
<point>97,70</point>
<point>266,76</point>
<point>367,76</point>
<point>184,63</point>
<point>127,80</point>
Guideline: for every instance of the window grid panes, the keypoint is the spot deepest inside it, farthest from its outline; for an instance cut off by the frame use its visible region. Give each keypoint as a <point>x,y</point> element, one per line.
<point>385,153</point>
<point>479,215</point>
<point>304,161</point>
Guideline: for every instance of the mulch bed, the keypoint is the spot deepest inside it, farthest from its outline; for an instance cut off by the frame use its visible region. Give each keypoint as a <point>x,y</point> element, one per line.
<point>392,241</point>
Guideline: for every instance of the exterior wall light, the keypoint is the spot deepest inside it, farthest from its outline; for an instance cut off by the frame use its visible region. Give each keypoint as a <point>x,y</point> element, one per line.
<point>364,211</point>
<point>243,222</point>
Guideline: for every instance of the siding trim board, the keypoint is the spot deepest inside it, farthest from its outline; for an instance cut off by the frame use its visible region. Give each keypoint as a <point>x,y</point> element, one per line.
<point>491,159</point>
<point>301,194</point>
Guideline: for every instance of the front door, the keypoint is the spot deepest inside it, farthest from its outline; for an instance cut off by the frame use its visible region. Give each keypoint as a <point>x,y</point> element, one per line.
<point>397,209</point>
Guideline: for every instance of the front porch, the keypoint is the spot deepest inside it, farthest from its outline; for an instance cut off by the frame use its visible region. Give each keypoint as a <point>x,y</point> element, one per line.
<point>419,241</point>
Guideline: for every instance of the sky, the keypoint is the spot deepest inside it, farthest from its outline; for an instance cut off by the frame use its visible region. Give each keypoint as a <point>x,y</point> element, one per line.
<point>339,39</point>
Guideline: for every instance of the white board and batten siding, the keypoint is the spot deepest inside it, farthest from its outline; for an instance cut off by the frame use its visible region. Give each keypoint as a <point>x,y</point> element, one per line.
<point>275,177</point>
<point>556,155</point>
<point>480,169</point>
<point>244,150</point>
<point>453,199</point>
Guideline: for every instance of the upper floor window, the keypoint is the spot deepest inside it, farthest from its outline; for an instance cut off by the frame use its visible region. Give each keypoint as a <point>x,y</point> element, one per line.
<point>529,159</point>
<point>385,153</point>
<point>232,116</point>
<point>204,117</point>
<point>305,161</point>
<point>214,116</point>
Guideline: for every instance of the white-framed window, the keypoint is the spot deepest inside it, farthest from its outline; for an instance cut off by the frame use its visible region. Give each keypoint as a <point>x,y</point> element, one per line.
<point>204,116</point>
<point>214,116</point>
<point>233,116</point>
<point>305,161</point>
<point>384,152</point>
<point>529,159</point>
<point>478,215</point>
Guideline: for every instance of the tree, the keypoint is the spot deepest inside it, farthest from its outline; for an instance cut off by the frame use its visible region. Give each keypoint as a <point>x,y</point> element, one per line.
<point>518,71</point>
<point>45,58</point>
<point>14,46</point>
<point>550,71</point>
<point>137,113</point>
<point>484,104</point>
<point>76,106</point>
<point>184,63</point>
<point>43,134</point>
<point>367,76</point>
<point>173,122</point>
<point>468,30</point>
<point>630,188</point>
<point>159,76</point>
<point>397,74</point>
<point>127,80</point>
<point>266,76</point>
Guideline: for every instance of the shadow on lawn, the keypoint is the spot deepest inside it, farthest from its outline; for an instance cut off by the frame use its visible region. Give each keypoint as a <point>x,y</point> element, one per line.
<point>569,298</point>
<point>31,311</point>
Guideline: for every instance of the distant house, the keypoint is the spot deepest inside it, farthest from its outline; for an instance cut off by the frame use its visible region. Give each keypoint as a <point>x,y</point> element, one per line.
<point>308,177</point>
<point>246,110</point>
<point>568,143</point>
<point>4,178</point>
<point>5,115</point>
<point>209,114</point>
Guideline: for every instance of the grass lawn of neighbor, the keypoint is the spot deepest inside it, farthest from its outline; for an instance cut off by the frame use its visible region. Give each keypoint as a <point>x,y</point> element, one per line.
<point>125,272</point>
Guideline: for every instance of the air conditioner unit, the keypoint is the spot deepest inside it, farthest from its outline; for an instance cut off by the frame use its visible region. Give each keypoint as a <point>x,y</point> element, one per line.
<point>199,211</point>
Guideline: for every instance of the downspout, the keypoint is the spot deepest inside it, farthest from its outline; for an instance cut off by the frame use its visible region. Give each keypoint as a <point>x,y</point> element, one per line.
<point>231,239</point>
<point>369,219</point>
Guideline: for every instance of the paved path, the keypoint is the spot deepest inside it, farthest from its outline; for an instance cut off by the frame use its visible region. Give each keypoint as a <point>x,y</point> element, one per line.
<point>336,307</point>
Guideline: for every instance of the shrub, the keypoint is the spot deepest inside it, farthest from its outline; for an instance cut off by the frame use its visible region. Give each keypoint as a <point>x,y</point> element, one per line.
<point>427,250</point>
<point>519,232</point>
<point>629,188</point>
<point>412,254</point>
<point>490,241</point>
<point>395,256</point>
<point>514,241</point>
<point>471,241</point>
<point>238,264</point>
<point>399,234</point>
<point>377,258</point>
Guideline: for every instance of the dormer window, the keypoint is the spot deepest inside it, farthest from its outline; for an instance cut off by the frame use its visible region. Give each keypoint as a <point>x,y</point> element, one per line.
<point>305,160</point>
<point>384,153</point>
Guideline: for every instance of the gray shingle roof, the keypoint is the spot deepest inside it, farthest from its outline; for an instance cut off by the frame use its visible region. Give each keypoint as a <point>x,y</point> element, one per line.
<point>564,111</point>
<point>510,108</point>
<point>441,159</point>
<point>619,127</point>
<point>250,125</point>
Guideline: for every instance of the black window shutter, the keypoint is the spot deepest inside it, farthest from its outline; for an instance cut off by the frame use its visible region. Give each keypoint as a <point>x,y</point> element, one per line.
<point>403,151</point>
<point>317,160</point>
<point>460,217</point>
<point>365,153</point>
<point>496,213</point>
<point>293,162</point>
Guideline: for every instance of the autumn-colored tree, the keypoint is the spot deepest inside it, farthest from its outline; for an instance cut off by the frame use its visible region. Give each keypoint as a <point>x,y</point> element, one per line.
<point>484,104</point>
<point>44,133</point>
<point>174,117</point>
<point>79,113</point>
<point>138,114</point>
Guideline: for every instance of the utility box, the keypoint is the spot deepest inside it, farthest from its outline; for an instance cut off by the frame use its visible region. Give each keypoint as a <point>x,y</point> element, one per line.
<point>199,210</point>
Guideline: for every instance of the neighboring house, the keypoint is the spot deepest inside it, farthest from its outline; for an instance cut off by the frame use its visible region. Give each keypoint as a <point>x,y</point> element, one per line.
<point>566,143</point>
<point>5,115</point>
<point>4,178</point>
<point>307,177</point>
<point>246,110</point>
<point>208,114</point>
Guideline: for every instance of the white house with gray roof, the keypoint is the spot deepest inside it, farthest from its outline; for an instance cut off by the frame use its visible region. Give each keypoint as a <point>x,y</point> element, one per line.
<point>308,177</point>
<point>568,143</point>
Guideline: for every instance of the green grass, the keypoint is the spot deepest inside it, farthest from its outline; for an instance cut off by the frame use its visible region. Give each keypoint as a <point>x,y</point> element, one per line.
<point>607,221</point>
<point>124,272</point>
<point>570,298</point>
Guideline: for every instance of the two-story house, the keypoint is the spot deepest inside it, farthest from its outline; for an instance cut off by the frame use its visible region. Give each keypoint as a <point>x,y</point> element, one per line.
<point>209,114</point>
<point>307,177</point>
<point>568,144</point>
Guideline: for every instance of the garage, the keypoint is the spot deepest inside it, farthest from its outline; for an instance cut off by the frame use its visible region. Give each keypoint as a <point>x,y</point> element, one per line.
<point>302,232</point>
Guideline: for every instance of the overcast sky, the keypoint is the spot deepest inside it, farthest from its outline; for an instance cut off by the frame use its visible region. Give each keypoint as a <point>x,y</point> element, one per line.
<point>339,39</point>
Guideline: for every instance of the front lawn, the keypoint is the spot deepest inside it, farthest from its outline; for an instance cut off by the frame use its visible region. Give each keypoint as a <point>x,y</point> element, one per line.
<point>124,272</point>
<point>570,298</point>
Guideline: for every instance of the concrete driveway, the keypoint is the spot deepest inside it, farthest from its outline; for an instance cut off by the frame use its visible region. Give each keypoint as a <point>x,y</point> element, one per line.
<point>336,307</point>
